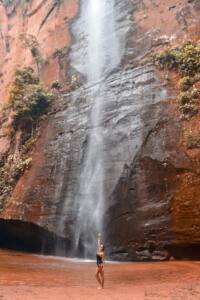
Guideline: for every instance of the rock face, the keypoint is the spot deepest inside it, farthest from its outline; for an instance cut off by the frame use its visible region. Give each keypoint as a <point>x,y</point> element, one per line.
<point>151,178</point>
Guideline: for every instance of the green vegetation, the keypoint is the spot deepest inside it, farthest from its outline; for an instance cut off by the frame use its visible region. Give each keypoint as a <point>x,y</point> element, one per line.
<point>35,52</point>
<point>56,85</point>
<point>29,143</point>
<point>187,104</point>
<point>29,41</point>
<point>185,60</point>
<point>188,110</point>
<point>10,172</point>
<point>28,99</point>
<point>184,98</point>
<point>195,93</point>
<point>193,142</point>
<point>60,53</point>
<point>185,83</point>
<point>28,104</point>
<point>20,166</point>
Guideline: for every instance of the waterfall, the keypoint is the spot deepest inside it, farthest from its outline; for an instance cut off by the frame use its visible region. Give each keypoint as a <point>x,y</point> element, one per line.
<point>101,56</point>
<point>103,124</point>
<point>96,51</point>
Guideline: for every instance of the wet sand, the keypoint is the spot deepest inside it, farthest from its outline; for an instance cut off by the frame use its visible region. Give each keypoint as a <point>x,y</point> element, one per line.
<point>28,277</point>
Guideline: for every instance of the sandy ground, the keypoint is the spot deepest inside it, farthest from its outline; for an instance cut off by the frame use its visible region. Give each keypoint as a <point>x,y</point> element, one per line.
<point>28,277</point>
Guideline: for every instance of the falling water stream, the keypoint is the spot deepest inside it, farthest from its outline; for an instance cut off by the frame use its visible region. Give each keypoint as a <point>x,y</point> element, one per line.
<point>104,125</point>
<point>101,55</point>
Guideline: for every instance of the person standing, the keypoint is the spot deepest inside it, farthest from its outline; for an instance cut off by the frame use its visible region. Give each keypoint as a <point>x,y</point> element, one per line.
<point>100,262</point>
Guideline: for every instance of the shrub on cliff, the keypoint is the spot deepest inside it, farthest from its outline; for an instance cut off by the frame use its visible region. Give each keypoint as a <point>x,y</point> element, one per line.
<point>19,167</point>
<point>184,59</point>
<point>28,98</point>
<point>184,98</point>
<point>193,142</point>
<point>185,83</point>
<point>56,85</point>
<point>188,110</point>
<point>166,59</point>
<point>28,102</point>
<point>195,93</point>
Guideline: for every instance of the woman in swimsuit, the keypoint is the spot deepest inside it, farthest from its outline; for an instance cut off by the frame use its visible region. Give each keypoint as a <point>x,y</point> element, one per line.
<point>100,257</point>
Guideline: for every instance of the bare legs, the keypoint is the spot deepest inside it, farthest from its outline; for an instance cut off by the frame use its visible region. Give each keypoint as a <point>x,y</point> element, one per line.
<point>100,276</point>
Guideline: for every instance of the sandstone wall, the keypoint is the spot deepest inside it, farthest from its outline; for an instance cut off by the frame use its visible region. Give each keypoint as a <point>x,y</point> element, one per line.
<point>152,179</point>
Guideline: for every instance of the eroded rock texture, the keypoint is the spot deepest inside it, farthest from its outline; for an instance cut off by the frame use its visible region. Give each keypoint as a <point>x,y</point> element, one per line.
<point>151,178</point>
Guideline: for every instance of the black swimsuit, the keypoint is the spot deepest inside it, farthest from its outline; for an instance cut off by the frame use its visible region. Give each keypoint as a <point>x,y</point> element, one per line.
<point>99,260</point>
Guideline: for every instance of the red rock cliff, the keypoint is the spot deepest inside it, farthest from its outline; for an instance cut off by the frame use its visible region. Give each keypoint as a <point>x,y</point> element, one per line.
<point>152,177</point>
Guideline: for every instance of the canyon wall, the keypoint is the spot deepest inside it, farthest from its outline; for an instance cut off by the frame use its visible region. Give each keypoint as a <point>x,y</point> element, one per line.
<point>151,176</point>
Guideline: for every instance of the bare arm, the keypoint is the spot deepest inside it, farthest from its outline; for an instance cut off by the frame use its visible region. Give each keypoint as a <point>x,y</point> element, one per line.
<point>98,242</point>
